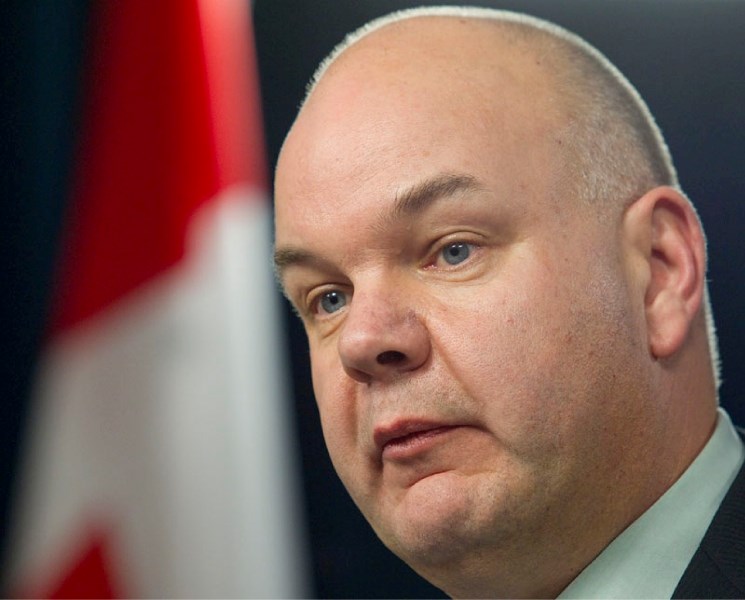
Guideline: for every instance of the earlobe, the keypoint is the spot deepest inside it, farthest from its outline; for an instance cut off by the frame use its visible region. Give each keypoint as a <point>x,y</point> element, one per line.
<point>676,260</point>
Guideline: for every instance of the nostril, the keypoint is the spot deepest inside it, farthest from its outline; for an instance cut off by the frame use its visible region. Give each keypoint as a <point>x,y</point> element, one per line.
<point>390,356</point>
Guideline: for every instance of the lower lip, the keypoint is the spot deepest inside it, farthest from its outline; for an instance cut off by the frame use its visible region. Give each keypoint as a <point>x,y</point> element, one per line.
<point>410,445</point>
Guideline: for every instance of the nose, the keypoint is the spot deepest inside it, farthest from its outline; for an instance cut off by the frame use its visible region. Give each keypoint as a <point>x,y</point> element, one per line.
<point>382,338</point>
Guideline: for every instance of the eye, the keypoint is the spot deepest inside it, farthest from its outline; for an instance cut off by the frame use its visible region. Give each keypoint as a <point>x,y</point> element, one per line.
<point>456,253</point>
<point>332,301</point>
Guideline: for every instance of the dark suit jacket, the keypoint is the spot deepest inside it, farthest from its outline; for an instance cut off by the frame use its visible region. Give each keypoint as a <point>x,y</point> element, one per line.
<point>717,569</point>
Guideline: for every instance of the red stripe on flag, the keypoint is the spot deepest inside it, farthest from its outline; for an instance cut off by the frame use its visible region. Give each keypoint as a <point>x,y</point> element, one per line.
<point>234,83</point>
<point>148,155</point>
<point>87,575</point>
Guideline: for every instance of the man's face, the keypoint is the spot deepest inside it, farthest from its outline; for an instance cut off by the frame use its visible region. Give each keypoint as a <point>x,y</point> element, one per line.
<point>473,341</point>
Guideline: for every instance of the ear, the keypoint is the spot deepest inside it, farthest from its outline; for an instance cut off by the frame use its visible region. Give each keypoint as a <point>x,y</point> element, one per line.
<point>664,229</point>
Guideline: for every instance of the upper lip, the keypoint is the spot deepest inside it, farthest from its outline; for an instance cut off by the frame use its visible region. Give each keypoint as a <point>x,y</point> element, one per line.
<point>383,434</point>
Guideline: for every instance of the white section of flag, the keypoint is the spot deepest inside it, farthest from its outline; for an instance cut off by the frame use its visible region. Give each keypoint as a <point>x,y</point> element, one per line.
<point>165,419</point>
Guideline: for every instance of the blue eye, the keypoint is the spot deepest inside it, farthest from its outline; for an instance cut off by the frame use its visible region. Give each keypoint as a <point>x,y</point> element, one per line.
<point>456,253</point>
<point>332,301</point>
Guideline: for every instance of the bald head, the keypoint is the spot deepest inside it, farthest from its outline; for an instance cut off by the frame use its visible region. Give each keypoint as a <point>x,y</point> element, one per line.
<point>612,149</point>
<point>617,148</point>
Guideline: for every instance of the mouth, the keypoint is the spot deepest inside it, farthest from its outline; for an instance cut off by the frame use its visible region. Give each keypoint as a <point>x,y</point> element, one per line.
<point>405,439</point>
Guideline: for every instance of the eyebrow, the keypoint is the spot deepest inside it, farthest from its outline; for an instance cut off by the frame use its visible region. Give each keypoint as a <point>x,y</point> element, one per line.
<point>410,201</point>
<point>285,257</point>
<point>419,197</point>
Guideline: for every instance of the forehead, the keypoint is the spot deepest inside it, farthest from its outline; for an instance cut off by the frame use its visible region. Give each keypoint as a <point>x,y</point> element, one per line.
<point>411,101</point>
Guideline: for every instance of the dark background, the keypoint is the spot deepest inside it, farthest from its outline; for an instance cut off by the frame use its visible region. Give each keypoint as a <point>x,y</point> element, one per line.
<point>686,57</point>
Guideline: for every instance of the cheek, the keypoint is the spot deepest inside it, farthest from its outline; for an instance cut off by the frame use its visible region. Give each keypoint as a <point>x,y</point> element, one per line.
<point>504,331</point>
<point>339,420</point>
<point>336,405</point>
<point>524,350</point>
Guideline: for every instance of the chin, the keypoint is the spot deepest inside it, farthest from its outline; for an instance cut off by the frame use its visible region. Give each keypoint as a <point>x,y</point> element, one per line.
<point>440,520</point>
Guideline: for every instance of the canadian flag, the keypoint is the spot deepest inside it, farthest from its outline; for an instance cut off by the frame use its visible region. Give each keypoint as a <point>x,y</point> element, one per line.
<point>160,459</point>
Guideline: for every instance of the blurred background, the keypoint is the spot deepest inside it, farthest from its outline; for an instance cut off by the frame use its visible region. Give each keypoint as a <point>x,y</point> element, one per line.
<point>159,434</point>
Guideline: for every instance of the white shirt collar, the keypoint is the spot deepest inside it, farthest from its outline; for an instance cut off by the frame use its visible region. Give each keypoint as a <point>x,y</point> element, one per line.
<point>648,559</point>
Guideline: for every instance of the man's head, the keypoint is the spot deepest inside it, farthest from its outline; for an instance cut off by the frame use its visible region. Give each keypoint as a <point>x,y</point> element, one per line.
<point>502,289</point>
